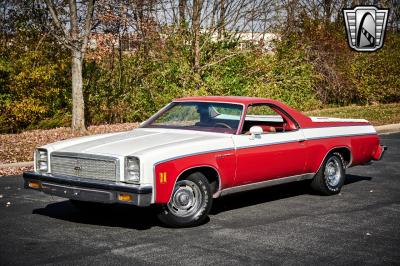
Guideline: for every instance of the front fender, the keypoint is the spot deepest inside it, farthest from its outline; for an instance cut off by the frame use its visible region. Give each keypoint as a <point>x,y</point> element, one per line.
<point>167,173</point>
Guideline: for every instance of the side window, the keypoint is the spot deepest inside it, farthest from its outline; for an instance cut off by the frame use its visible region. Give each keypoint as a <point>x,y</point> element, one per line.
<point>262,112</point>
<point>264,116</point>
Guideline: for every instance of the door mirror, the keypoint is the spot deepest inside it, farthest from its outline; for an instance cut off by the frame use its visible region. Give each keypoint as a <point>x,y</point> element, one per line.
<point>256,132</point>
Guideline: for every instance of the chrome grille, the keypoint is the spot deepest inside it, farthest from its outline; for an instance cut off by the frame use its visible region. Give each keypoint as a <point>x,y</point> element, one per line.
<point>85,166</point>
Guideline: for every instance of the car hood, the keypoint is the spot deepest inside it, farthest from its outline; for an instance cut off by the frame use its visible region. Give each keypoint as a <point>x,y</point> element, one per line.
<point>134,142</point>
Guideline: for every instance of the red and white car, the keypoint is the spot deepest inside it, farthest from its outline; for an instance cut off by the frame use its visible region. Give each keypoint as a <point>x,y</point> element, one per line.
<point>199,148</point>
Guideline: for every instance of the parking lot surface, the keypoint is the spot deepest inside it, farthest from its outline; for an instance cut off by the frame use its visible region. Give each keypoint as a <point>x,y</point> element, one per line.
<point>280,225</point>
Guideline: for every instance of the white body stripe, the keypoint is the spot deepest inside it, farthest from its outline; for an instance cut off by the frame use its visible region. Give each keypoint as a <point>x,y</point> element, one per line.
<point>334,119</point>
<point>330,132</point>
<point>246,141</point>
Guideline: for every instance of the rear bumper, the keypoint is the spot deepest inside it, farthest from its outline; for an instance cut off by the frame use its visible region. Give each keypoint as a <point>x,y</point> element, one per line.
<point>88,190</point>
<point>378,155</point>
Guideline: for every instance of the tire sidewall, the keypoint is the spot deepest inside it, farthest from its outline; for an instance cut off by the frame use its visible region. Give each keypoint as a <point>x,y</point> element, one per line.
<point>338,158</point>
<point>170,219</point>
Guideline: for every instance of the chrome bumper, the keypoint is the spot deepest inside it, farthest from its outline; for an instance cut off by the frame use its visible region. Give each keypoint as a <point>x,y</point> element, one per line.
<point>88,190</point>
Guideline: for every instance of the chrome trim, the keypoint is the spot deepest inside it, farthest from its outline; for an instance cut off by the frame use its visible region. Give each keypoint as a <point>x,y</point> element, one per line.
<point>267,183</point>
<point>89,189</point>
<point>93,195</point>
<point>93,157</point>
<point>84,156</point>
<point>338,147</point>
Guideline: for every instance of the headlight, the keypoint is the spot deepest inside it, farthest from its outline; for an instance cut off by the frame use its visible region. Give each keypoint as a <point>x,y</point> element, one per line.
<point>41,160</point>
<point>132,170</point>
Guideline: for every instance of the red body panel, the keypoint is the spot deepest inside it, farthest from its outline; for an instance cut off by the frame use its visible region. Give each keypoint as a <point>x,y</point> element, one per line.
<point>254,164</point>
<point>268,162</point>
<point>224,162</point>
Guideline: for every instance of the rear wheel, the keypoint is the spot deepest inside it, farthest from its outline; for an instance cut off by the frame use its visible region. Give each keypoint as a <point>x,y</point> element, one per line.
<point>330,177</point>
<point>190,202</point>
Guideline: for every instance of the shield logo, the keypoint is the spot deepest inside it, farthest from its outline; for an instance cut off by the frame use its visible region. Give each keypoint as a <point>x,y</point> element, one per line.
<point>365,26</point>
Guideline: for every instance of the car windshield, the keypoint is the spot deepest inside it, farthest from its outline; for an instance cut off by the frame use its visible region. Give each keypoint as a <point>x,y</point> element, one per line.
<point>203,116</point>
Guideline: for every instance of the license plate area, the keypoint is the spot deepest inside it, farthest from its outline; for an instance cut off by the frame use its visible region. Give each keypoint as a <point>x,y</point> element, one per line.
<point>78,193</point>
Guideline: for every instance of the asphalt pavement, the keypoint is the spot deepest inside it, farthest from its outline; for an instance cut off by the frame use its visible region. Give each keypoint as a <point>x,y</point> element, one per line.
<point>280,225</point>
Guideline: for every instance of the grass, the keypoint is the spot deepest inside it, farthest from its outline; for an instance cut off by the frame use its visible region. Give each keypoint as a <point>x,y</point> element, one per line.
<point>381,114</point>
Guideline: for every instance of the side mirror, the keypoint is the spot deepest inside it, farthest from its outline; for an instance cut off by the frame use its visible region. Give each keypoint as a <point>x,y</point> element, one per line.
<point>256,132</point>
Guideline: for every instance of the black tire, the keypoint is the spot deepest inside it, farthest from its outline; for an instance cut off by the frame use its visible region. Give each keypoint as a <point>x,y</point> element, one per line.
<point>196,192</point>
<point>330,184</point>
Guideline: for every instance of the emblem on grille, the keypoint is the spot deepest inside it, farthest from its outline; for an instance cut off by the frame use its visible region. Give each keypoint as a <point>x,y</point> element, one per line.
<point>365,26</point>
<point>77,168</point>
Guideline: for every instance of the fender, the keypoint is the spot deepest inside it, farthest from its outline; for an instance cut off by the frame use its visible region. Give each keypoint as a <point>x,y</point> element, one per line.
<point>335,148</point>
<point>167,173</point>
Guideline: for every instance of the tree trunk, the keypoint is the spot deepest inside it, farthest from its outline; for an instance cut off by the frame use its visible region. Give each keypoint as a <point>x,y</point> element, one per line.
<point>221,26</point>
<point>78,106</point>
<point>197,5</point>
<point>182,7</point>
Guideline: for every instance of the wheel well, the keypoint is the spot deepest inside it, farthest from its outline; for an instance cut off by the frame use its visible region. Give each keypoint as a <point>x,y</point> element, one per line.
<point>210,173</point>
<point>346,154</point>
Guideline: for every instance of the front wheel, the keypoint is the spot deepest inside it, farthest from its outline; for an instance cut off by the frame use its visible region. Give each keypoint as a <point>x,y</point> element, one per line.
<point>190,202</point>
<point>330,177</point>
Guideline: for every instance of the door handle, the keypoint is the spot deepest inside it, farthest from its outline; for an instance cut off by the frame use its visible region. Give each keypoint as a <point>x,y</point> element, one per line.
<point>224,155</point>
<point>301,140</point>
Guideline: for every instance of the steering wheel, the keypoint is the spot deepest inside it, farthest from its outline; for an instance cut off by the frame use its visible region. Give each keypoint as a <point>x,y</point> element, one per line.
<point>219,124</point>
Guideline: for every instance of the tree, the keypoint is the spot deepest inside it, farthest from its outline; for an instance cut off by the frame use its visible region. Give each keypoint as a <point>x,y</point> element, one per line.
<point>72,29</point>
<point>182,19</point>
<point>196,24</point>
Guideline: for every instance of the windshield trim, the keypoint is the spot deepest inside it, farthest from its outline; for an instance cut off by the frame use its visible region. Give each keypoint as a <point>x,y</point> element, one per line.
<point>146,124</point>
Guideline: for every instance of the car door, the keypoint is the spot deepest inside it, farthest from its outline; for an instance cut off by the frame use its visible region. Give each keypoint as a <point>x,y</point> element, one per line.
<point>270,155</point>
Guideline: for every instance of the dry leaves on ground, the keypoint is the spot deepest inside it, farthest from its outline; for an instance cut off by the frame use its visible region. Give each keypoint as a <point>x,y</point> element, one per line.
<point>20,147</point>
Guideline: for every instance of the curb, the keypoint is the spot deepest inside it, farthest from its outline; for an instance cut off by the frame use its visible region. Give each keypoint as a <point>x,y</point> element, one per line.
<point>382,130</point>
<point>18,164</point>
<point>388,129</point>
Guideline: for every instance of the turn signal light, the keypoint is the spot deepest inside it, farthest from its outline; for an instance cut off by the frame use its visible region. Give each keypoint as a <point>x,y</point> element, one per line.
<point>125,197</point>
<point>34,184</point>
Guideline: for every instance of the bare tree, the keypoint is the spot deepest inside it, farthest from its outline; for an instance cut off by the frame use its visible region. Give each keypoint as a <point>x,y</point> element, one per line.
<point>221,26</point>
<point>73,25</point>
<point>196,24</point>
<point>182,19</point>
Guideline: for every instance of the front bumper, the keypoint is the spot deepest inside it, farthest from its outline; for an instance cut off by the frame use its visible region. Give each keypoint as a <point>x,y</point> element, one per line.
<point>88,190</point>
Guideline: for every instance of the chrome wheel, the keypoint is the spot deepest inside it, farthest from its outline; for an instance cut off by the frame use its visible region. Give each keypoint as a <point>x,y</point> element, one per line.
<point>332,172</point>
<point>186,200</point>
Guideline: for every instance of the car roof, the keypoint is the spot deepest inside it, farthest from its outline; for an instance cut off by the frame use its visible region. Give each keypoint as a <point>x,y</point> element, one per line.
<point>302,119</point>
<point>227,99</point>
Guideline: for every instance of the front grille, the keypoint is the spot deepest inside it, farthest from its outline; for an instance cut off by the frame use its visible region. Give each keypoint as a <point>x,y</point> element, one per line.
<point>84,166</point>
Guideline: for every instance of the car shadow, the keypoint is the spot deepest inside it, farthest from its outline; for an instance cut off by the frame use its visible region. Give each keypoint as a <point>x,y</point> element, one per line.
<point>356,178</point>
<point>117,215</point>
<point>264,195</point>
<point>132,217</point>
